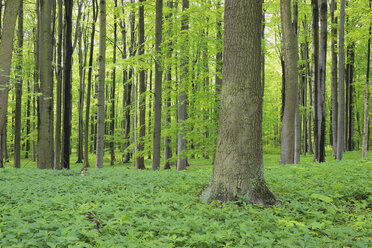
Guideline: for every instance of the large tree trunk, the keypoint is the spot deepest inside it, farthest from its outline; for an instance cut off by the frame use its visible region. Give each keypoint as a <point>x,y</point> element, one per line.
<point>334,77</point>
<point>45,124</point>
<point>89,86</point>
<point>366,97</point>
<point>140,161</point>
<point>291,78</point>
<point>341,72</point>
<point>182,98</point>
<point>101,87</point>
<point>6,48</point>
<point>18,91</point>
<point>158,86</point>
<point>238,168</point>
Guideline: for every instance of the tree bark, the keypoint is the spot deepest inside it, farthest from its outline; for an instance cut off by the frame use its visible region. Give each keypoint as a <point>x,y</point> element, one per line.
<point>341,71</point>
<point>334,76</point>
<point>167,121</point>
<point>113,89</point>
<point>140,161</point>
<point>366,97</point>
<point>287,152</point>
<point>238,170</point>
<point>182,98</point>
<point>101,87</point>
<point>18,91</point>
<point>89,85</point>
<point>6,48</point>
<point>322,80</point>
<point>158,85</point>
<point>45,124</point>
<point>67,86</point>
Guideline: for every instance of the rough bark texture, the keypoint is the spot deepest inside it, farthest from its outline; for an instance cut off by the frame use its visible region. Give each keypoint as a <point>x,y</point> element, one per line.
<point>158,86</point>
<point>140,161</point>
<point>334,77</point>
<point>18,91</point>
<point>6,48</point>
<point>341,72</point>
<point>182,98</point>
<point>238,168</point>
<point>291,78</point>
<point>101,87</point>
<point>45,124</point>
<point>366,98</point>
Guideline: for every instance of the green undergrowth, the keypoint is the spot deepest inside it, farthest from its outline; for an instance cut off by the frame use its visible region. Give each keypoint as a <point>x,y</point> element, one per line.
<point>323,205</point>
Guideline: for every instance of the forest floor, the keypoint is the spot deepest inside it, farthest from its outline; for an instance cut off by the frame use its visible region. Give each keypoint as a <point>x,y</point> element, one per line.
<point>323,205</point>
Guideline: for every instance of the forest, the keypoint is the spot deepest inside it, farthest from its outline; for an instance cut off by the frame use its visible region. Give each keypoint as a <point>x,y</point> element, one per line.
<point>193,123</point>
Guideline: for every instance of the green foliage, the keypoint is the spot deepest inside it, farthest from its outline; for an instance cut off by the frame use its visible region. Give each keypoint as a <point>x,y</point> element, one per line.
<point>323,205</point>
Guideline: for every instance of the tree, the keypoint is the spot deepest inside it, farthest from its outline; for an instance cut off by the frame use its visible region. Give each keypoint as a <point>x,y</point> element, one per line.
<point>140,162</point>
<point>287,152</point>
<point>45,123</point>
<point>6,48</point>
<point>113,89</point>
<point>57,141</point>
<point>18,89</point>
<point>366,96</point>
<point>101,86</point>
<point>182,98</point>
<point>158,86</point>
<point>67,85</point>
<point>238,166</point>
<point>89,85</point>
<point>334,77</point>
<point>341,94</point>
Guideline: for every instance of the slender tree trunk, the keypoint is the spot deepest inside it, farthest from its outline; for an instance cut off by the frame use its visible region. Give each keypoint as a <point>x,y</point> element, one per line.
<point>239,172</point>
<point>140,162</point>
<point>334,76</point>
<point>167,121</point>
<point>82,64</point>
<point>28,122</point>
<point>291,78</point>
<point>67,86</point>
<point>89,86</point>
<point>182,98</point>
<point>6,48</point>
<point>158,86</point>
<point>45,124</point>
<point>366,97</point>
<point>322,80</point>
<point>297,133</point>
<point>315,75</point>
<point>113,89</point>
<point>57,148</point>
<point>341,71</point>
<point>18,91</point>
<point>101,87</point>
